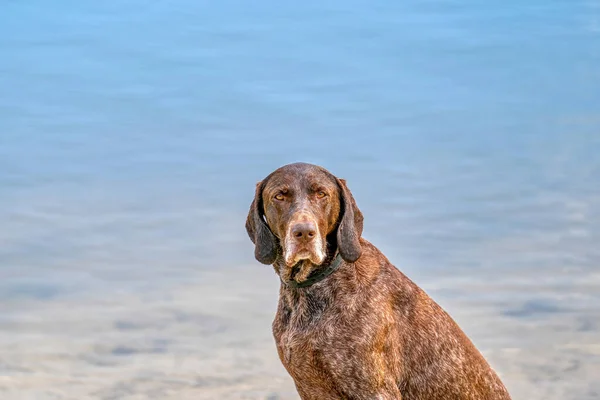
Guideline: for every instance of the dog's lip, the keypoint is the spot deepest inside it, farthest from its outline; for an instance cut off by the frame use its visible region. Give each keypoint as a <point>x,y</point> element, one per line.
<point>299,255</point>
<point>304,253</point>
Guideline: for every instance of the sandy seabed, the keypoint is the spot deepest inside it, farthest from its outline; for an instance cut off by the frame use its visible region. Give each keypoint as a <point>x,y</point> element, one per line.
<point>211,339</point>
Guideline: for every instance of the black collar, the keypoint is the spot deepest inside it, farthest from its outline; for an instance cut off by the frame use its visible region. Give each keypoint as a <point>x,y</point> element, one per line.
<point>317,276</point>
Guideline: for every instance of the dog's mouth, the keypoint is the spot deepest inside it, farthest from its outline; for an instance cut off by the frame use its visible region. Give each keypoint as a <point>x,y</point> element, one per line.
<point>300,262</point>
<point>302,254</point>
<point>295,255</point>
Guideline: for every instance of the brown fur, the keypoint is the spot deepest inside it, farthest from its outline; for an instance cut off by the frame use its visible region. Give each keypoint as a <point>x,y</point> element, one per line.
<point>366,331</point>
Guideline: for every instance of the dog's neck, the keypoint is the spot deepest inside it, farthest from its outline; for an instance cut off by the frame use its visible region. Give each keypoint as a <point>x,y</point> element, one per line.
<point>302,306</point>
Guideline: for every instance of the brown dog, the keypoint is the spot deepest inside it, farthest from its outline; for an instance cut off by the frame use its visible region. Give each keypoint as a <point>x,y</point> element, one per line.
<point>349,325</point>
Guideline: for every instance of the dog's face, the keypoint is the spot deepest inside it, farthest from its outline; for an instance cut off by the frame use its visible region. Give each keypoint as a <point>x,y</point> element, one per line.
<point>301,206</point>
<point>299,212</point>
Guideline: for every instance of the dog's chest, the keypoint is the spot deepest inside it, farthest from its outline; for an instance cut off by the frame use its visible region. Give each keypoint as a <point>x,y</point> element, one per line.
<point>305,345</point>
<point>311,355</point>
<point>321,354</point>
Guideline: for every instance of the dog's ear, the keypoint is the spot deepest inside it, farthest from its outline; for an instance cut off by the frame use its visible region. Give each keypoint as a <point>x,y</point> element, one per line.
<point>265,243</point>
<point>351,225</point>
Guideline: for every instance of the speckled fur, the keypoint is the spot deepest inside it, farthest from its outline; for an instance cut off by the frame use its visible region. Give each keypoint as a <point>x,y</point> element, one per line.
<point>368,332</point>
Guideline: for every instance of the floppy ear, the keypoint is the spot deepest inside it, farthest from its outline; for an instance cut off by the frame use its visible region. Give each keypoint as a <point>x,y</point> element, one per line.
<point>351,225</point>
<point>265,243</point>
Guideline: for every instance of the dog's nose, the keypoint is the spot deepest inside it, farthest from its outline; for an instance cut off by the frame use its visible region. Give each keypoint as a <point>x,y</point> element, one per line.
<point>304,231</point>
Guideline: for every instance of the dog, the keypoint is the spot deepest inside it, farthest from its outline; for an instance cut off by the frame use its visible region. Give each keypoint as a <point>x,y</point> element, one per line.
<point>349,325</point>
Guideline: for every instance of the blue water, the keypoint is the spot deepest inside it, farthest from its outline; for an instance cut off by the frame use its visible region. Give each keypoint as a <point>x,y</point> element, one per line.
<point>132,133</point>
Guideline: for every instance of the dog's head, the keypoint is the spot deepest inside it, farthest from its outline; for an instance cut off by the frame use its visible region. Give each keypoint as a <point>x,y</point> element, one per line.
<point>300,212</point>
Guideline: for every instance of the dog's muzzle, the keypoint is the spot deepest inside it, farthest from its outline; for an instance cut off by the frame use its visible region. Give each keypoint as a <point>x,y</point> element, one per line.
<point>303,241</point>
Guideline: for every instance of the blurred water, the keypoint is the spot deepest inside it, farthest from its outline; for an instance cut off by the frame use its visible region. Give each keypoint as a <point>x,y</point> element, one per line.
<point>132,133</point>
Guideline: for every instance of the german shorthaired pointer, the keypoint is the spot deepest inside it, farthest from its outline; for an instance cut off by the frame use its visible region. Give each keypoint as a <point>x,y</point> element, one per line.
<point>349,325</point>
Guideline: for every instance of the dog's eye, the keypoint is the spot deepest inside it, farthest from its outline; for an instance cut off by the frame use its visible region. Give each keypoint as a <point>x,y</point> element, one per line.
<point>279,196</point>
<point>321,194</point>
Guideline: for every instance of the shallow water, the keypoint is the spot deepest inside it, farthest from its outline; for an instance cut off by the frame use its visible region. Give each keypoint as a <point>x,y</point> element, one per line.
<point>132,134</point>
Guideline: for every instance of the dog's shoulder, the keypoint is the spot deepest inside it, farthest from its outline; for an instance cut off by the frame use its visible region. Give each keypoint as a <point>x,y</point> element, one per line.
<point>373,265</point>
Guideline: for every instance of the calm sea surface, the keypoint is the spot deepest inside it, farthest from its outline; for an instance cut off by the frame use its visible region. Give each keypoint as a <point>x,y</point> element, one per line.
<point>132,134</point>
